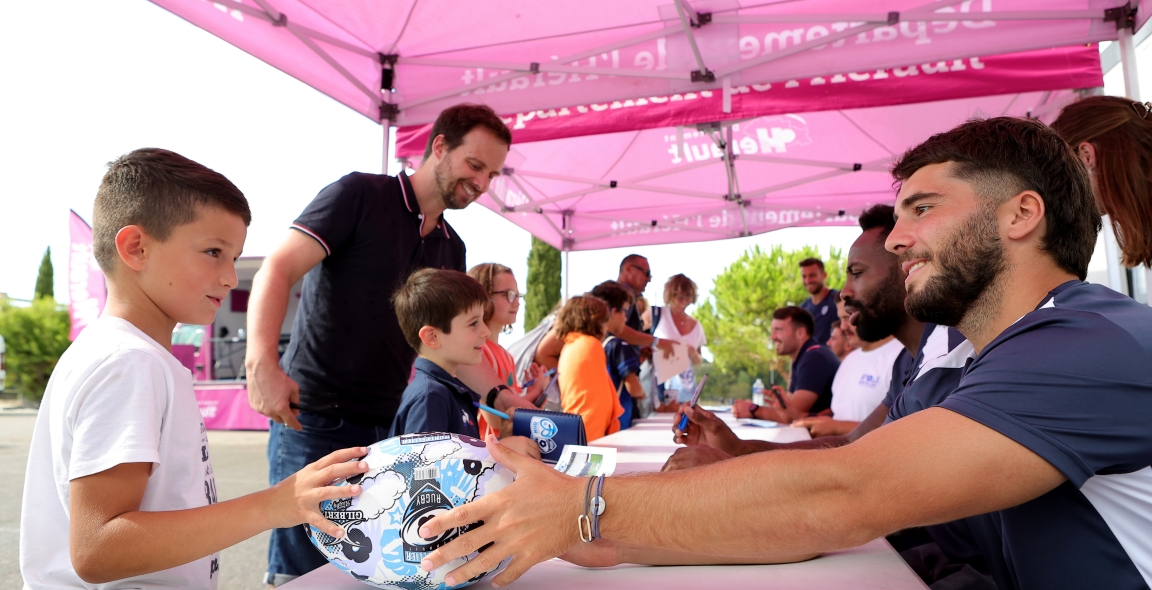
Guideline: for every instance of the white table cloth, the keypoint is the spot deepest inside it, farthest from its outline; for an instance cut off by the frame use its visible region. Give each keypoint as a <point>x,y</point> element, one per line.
<point>645,447</point>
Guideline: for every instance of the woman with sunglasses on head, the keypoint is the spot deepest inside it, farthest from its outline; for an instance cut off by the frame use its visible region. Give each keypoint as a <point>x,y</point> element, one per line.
<point>1113,137</point>
<point>499,314</point>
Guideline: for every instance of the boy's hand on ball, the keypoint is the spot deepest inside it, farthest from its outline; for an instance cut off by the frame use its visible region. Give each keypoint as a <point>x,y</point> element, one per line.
<point>297,499</point>
<point>522,445</point>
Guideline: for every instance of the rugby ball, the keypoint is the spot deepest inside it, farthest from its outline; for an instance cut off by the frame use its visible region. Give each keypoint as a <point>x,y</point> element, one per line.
<point>410,479</point>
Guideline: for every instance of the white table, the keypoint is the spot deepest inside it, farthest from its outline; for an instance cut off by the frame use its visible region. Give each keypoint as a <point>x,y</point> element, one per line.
<point>645,447</point>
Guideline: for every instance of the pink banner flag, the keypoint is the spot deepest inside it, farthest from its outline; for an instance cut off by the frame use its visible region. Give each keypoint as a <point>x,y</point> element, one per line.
<point>86,290</point>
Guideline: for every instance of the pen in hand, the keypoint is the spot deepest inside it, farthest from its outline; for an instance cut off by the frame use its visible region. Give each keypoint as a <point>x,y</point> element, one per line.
<point>683,425</point>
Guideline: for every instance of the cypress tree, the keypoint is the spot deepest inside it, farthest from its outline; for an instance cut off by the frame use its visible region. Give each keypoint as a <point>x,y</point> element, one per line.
<point>44,280</point>
<point>544,268</point>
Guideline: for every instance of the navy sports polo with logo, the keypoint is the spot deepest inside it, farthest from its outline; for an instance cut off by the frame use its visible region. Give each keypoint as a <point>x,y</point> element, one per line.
<point>435,401</point>
<point>1072,382</point>
<point>814,369</point>
<point>823,315</point>
<point>934,373</point>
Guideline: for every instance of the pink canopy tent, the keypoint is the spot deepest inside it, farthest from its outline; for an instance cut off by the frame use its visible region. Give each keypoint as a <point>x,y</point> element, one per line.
<point>403,61</point>
<point>725,177</point>
<point>725,180</point>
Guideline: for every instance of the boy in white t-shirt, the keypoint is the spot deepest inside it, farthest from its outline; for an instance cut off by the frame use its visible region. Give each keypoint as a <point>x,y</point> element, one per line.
<point>119,490</point>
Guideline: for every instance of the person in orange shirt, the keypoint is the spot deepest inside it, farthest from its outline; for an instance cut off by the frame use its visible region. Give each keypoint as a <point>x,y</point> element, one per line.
<point>585,387</point>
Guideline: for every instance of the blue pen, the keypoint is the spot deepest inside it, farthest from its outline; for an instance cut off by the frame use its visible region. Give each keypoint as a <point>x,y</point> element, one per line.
<point>492,411</point>
<point>550,373</point>
<point>683,425</point>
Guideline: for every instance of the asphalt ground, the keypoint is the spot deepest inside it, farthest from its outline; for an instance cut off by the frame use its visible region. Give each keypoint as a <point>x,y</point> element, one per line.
<point>237,459</point>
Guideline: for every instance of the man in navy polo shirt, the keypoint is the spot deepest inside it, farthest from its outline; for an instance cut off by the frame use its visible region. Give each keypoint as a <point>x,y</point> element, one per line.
<point>1047,431</point>
<point>813,369</point>
<point>821,302</point>
<point>340,382</point>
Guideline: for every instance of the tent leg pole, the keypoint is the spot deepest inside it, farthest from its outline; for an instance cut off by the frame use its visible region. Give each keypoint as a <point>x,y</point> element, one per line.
<point>1128,63</point>
<point>567,267</point>
<point>1132,89</point>
<point>387,146</point>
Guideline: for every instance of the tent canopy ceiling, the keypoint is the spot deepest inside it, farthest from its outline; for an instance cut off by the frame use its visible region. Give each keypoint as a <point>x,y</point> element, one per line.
<point>520,56</point>
<point>669,186</point>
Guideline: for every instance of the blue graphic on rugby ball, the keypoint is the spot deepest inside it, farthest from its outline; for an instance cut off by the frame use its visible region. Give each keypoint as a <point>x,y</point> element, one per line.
<point>410,480</point>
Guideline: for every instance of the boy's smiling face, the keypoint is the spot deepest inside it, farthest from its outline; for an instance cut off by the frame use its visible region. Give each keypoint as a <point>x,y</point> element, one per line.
<point>464,345</point>
<point>188,275</point>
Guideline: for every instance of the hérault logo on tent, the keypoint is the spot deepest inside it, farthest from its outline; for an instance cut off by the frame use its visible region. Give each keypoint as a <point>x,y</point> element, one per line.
<point>767,135</point>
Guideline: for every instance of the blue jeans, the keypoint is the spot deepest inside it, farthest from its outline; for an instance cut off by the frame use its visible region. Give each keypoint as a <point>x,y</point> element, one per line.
<point>290,552</point>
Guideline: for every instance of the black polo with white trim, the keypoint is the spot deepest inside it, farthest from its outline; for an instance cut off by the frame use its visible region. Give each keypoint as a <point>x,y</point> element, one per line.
<point>347,352</point>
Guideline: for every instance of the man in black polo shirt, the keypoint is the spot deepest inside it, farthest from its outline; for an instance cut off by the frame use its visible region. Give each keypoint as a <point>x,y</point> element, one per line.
<point>341,379</point>
<point>822,301</point>
<point>813,369</point>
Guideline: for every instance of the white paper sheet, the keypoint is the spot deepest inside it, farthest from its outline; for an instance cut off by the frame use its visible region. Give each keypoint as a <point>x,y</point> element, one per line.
<point>580,461</point>
<point>678,362</point>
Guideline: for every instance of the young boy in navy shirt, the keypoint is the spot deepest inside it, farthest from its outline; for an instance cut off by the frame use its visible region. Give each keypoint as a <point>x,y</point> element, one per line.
<point>119,490</point>
<point>441,313</point>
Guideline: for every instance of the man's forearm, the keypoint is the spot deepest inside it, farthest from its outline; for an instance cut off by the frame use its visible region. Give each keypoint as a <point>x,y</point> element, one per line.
<point>635,337</point>
<point>650,556</point>
<point>748,447</point>
<point>266,310</point>
<point>809,505</point>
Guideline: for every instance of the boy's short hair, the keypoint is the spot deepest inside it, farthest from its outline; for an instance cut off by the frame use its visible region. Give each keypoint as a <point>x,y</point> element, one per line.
<point>583,314</point>
<point>613,294</point>
<point>812,262</point>
<point>433,297</point>
<point>799,317</point>
<point>157,190</point>
<point>457,121</point>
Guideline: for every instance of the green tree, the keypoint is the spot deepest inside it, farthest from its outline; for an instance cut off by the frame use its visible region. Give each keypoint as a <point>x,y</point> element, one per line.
<point>35,337</point>
<point>543,294</point>
<point>737,316</point>
<point>44,280</point>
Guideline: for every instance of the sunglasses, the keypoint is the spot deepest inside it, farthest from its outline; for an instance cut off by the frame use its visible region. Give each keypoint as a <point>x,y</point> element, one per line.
<point>647,273</point>
<point>1142,108</point>
<point>511,295</point>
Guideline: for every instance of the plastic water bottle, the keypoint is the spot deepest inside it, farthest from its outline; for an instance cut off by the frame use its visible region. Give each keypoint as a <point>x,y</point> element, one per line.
<point>758,392</point>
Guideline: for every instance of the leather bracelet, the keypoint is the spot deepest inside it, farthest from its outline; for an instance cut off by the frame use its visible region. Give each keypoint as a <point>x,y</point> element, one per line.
<point>490,399</point>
